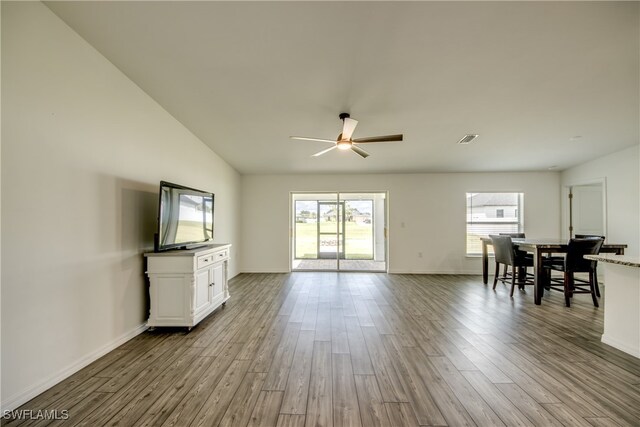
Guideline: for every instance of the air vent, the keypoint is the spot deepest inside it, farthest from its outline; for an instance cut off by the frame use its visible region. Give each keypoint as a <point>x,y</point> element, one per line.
<point>467,139</point>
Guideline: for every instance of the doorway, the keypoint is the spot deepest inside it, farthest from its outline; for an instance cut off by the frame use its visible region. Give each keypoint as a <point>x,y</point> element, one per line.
<point>339,231</point>
<point>587,213</point>
<point>330,229</point>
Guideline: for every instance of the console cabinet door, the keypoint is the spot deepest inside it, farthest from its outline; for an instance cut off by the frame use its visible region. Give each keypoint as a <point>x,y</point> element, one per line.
<point>218,279</point>
<point>202,297</point>
<point>168,297</point>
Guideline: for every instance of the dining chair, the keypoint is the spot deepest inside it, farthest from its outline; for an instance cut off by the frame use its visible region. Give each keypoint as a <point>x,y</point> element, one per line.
<point>572,263</point>
<point>513,235</point>
<point>518,251</point>
<point>506,254</point>
<point>559,259</point>
<point>595,263</point>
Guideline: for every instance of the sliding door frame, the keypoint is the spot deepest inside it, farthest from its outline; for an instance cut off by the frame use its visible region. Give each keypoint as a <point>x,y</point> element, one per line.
<point>338,200</point>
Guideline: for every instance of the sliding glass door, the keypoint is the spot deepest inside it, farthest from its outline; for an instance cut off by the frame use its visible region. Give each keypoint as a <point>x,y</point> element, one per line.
<point>330,230</point>
<point>339,231</point>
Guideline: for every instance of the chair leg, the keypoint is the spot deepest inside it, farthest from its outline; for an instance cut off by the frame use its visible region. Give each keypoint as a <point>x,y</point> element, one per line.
<point>495,278</point>
<point>595,282</point>
<point>522,276</point>
<point>546,279</point>
<point>513,282</point>
<point>567,289</point>
<point>592,284</point>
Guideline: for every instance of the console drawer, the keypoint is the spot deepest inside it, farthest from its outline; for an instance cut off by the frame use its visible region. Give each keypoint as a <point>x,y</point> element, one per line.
<point>205,260</point>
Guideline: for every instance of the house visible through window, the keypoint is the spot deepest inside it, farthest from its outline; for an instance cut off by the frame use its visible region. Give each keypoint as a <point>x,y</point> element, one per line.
<point>492,213</point>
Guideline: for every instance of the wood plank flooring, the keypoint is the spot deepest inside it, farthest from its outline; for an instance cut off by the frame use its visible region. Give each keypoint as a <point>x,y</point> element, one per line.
<point>362,349</point>
<point>332,265</point>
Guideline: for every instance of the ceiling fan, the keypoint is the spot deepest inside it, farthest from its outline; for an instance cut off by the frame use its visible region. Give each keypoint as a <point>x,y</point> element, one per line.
<point>344,140</point>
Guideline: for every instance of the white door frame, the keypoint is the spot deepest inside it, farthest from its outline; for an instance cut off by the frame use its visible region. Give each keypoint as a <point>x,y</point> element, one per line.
<point>565,204</point>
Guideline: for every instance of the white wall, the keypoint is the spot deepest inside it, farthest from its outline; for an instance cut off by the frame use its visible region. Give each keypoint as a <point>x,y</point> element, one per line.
<point>83,152</point>
<point>0,220</point>
<point>427,213</point>
<point>621,172</point>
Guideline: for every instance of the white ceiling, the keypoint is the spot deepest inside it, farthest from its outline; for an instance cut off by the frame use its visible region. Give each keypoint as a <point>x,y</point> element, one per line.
<point>245,76</point>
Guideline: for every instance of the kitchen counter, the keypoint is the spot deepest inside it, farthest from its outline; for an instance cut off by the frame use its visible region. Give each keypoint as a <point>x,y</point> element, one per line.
<point>621,301</point>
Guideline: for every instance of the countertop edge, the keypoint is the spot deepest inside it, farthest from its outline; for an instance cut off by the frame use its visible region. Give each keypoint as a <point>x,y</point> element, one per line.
<point>615,259</point>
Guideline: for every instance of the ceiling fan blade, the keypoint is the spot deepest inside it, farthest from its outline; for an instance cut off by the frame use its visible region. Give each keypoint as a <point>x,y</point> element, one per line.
<point>304,138</point>
<point>348,128</point>
<point>386,138</point>
<point>320,153</point>
<point>360,151</point>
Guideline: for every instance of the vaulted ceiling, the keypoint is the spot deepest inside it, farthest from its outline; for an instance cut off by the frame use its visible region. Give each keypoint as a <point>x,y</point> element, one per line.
<point>545,84</point>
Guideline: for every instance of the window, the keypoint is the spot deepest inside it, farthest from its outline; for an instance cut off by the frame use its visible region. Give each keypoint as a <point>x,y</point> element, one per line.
<point>492,213</point>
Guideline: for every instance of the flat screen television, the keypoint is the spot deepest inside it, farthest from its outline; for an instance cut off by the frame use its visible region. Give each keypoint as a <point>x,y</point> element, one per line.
<point>185,217</point>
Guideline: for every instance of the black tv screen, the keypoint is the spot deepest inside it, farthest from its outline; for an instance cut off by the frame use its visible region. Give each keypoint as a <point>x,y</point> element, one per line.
<point>185,216</point>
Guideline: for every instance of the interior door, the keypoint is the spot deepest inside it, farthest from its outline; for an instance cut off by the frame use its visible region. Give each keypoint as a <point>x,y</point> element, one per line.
<point>586,207</point>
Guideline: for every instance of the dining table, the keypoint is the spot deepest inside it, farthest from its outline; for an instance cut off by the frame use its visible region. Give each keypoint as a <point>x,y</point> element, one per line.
<point>539,248</point>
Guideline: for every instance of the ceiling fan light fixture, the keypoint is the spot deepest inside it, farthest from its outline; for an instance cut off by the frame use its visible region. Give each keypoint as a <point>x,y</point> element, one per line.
<point>468,138</point>
<point>344,145</point>
<point>344,141</point>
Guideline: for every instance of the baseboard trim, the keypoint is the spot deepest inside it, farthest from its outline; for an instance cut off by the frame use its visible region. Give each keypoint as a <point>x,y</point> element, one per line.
<point>23,397</point>
<point>265,271</point>
<point>620,346</point>
<point>446,272</point>
<point>460,273</point>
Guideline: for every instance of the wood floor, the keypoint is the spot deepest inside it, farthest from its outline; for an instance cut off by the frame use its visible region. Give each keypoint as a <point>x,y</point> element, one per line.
<point>345,265</point>
<point>363,349</point>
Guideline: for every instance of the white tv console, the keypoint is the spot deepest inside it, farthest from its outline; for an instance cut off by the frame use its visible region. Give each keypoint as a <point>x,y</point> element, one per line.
<point>187,285</point>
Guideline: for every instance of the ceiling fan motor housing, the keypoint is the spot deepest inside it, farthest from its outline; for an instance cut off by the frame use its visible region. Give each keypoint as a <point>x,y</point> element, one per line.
<point>344,144</point>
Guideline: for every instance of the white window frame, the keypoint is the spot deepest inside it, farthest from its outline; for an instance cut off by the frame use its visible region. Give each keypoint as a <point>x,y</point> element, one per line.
<point>519,222</point>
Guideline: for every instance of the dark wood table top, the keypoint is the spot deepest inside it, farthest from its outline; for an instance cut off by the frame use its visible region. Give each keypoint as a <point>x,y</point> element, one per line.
<point>550,243</point>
